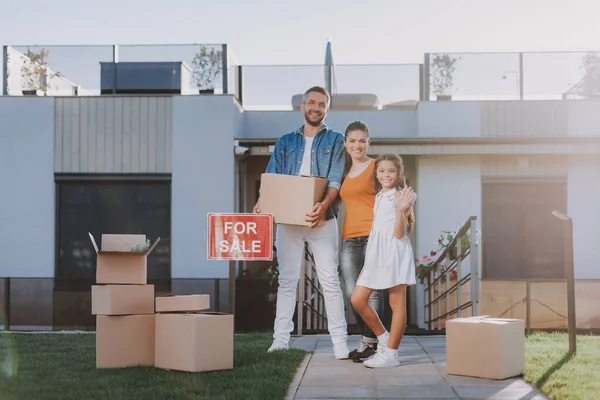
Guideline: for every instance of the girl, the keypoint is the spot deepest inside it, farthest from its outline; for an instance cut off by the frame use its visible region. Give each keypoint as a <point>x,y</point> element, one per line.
<point>358,194</point>
<point>389,261</point>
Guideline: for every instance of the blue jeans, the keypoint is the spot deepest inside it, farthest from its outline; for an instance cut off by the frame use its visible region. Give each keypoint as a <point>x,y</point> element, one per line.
<point>352,259</point>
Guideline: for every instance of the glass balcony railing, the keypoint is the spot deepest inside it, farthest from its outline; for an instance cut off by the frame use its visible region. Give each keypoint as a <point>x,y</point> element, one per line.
<point>97,70</point>
<point>514,76</point>
<point>280,87</point>
<point>213,69</point>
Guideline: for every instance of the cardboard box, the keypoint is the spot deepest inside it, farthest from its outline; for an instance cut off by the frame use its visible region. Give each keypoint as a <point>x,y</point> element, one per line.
<point>482,347</point>
<point>122,299</point>
<point>122,267</point>
<point>114,242</point>
<point>178,303</point>
<point>125,340</point>
<point>289,198</point>
<point>194,342</point>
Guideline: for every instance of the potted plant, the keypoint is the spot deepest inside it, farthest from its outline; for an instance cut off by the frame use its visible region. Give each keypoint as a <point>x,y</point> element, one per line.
<point>589,87</point>
<point>207,68</point>
<point>36,74</point>
<point>443,67</point>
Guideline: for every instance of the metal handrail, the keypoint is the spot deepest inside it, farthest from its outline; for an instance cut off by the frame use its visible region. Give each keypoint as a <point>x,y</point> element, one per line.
<point>439,272</point>
<point>309,291</point>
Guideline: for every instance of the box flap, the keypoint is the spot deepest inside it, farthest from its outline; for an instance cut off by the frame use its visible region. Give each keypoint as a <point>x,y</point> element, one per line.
<point>94,242</point>
<point>472,320</point>
<point>204,313</point>
<point>153,246</point>
<point>501,321</point>
<point>312,176</point>
<point>126,253</point>
<point>484,319</point>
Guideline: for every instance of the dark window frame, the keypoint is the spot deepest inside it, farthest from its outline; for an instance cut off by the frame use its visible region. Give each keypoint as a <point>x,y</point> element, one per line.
<point>60,178</point>
<point>556,185</point>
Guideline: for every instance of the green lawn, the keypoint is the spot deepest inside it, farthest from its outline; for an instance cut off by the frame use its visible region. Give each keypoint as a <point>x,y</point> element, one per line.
<point>63,367</point>
<point>552,369</point>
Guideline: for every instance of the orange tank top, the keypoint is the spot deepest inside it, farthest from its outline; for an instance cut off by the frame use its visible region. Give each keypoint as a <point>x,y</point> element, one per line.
<point>358,195</point>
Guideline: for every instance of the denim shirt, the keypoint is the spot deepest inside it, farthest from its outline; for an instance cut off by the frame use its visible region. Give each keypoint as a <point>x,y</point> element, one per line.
<point>327,159</point>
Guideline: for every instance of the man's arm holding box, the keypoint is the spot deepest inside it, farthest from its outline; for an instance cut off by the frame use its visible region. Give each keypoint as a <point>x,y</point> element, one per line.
<point>338,162</point>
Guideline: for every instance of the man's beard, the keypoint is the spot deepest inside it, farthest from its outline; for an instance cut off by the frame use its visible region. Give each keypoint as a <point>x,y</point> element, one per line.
<point>313,122</point>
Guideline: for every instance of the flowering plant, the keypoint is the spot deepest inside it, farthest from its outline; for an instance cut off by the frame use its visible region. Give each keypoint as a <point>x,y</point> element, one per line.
<point>424,264</point>
<point>446,237</point>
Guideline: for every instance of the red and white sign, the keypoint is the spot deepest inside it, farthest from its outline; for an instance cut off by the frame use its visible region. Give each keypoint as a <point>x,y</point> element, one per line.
<point>240,237</point>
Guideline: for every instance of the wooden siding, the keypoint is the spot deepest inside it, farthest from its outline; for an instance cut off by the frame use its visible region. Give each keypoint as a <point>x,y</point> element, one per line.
<point>524,118</point>
<point>113,134</point>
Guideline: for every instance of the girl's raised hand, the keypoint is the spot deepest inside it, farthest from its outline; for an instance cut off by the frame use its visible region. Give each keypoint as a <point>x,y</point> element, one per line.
<point>405,198</point>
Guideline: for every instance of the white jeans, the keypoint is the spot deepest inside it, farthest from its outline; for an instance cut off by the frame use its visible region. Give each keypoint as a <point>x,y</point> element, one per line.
<point>323,243</point>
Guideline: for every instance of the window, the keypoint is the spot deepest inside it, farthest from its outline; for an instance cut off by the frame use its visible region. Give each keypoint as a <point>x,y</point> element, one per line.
<point>111,206</point>
<point>521,237</point>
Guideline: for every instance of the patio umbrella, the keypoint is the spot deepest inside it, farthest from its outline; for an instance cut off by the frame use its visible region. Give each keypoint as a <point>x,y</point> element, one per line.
<point>330,82</point>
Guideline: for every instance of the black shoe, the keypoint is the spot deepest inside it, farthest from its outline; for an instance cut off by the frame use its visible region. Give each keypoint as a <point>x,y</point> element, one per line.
<point>363,351</point>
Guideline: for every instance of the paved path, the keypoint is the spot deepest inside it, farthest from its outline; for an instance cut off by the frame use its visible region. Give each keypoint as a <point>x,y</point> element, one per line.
<point>422,375</point>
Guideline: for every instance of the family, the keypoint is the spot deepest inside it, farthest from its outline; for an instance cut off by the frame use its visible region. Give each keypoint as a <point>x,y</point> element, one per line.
<point>376,252</point>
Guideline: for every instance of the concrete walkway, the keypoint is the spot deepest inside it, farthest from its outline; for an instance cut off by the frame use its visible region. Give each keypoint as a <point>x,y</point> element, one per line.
<point>422,375</point>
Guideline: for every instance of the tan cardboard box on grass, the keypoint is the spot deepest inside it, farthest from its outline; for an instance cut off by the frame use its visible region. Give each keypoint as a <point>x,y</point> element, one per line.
<point>178,303</point>
<point>125,340</point>
<point>483,347</point>
<point>192,340</point>
<point>122,266</point>
<point>122,299</point>
<point>289,198</point>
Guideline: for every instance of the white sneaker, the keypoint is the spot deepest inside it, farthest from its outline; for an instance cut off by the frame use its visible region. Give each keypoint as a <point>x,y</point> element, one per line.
<point>340,351</point>
<point>382,359</point>
<point>278,346</point>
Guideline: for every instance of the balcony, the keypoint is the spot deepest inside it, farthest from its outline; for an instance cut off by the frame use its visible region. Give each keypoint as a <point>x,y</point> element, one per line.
<point>198,69</point>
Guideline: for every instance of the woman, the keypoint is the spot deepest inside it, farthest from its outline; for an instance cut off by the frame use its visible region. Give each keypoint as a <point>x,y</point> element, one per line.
<point>358,195</point>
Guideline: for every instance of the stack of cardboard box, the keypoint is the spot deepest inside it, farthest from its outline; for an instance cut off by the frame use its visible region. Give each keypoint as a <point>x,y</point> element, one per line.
<point>174,333</point>
<point>123,302</point>
<point>190,339</point>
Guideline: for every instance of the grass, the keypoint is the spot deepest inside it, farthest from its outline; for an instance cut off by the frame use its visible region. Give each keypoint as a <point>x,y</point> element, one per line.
<point>57,366</point>
<point>560,375</point>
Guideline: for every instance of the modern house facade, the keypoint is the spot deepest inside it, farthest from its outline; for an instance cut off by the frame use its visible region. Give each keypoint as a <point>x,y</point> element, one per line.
<point>157,161</point>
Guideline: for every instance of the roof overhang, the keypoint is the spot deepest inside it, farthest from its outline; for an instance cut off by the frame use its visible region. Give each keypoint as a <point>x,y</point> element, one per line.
<point>461,146</point>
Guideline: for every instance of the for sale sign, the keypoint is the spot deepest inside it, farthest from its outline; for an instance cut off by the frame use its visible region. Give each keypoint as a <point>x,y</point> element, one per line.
<point>240,237</point>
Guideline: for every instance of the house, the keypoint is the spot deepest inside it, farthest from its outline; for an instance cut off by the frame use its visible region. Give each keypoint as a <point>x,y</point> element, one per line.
<point>157,161</point>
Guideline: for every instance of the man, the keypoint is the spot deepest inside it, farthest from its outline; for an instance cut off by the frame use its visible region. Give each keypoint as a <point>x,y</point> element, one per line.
<point>314,149</point>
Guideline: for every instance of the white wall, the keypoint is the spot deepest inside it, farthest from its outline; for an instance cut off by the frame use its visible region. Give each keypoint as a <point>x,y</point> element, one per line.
<point>202,180</point>
<point>449,192</point>
<point>451,119</point>
<point>584,118</point>
<point>583,202</point>
<point>27,187</point>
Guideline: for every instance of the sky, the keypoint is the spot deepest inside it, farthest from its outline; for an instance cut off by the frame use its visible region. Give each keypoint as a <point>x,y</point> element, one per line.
<point>263,34</point>
<point>295,32</point>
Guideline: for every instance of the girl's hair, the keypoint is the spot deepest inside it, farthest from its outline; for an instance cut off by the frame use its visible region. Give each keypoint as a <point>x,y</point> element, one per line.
<point>400,184</point>
<point>352,126</point>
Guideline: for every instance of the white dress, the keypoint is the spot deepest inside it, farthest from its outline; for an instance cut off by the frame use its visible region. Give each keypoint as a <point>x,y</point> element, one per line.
<point>388,261</point>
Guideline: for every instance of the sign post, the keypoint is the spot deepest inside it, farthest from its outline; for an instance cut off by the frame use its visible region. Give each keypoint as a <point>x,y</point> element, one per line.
<point>242,237</point>
<point>569,277</point>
